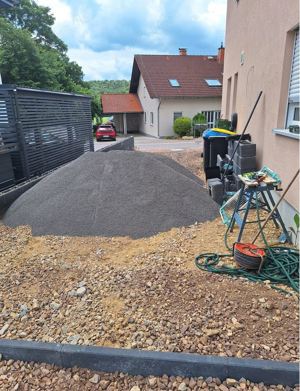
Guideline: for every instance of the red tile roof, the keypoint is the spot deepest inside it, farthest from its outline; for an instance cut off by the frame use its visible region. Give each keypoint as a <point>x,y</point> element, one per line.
<point>190,71</point>
<point>121,103</point>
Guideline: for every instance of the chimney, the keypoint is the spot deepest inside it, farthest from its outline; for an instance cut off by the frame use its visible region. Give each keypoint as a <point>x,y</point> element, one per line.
<point>182,52</point>
<point>221,54</point>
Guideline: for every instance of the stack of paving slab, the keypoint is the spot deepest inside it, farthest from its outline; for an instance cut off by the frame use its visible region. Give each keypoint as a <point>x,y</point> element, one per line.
<point>244,159</point>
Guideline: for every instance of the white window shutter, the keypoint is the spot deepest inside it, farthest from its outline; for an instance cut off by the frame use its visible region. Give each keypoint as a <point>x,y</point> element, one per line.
<point>295,73</point>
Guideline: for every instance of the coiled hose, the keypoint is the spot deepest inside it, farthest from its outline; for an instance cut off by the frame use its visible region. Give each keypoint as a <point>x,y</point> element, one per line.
<point>281,265</point>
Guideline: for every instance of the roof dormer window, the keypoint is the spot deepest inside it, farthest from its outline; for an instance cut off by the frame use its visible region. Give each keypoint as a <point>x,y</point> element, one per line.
<point>174,83</point>
<point>213,82</point>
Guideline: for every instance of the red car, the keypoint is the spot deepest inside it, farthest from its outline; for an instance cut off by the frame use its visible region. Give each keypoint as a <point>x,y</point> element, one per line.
<point>106,132</point>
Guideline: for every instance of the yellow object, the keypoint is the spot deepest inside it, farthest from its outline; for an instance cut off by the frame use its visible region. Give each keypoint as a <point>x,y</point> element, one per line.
<point>224,131</point>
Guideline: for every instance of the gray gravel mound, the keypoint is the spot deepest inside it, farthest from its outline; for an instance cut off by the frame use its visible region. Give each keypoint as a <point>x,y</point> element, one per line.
<point>117,193</point>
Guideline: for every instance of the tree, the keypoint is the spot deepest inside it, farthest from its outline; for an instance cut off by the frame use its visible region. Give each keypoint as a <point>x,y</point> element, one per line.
<point>20,60</point>
<point>31,55</point>
<point>37,20</point>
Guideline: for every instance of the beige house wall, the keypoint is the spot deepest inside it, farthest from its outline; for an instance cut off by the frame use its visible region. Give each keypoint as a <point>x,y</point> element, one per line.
<point>163,110</point>
<point>189,107</point>
<point>149,105</point>
<point>259,47</point>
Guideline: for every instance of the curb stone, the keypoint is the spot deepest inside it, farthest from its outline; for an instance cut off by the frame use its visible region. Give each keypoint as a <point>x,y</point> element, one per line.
<point>145,363</point>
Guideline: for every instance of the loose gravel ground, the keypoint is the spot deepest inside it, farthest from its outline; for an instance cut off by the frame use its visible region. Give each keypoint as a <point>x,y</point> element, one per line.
<point>144,293</point>
<point>28,376</point>
<point>117,193</point>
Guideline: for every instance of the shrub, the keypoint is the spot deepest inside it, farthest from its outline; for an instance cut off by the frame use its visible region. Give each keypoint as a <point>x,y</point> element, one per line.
<point>182,126</point>
<point>223,124</point>
<point>199,124</point>
<point>199,118</point>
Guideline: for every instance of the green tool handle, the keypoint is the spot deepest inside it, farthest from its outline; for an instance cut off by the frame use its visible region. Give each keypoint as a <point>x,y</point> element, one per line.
<point>275,206</point>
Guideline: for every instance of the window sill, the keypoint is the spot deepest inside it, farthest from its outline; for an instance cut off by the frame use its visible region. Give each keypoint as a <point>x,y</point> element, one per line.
<point>286,133</point>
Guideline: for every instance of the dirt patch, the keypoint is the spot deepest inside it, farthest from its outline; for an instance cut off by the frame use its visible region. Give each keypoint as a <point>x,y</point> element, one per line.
<point>144,293</point>
<point>190,159</point>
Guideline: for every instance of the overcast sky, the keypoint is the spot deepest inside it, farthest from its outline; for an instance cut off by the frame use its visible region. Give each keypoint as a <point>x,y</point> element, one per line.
<point>104,35</point>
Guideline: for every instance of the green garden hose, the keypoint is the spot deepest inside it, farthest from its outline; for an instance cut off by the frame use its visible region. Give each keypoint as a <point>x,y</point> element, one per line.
<point>281,265</point>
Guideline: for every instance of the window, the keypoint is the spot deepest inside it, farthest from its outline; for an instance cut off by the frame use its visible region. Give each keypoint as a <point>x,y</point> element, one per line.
<point>177,115</point>
<point>293,97</point>
<point>174,83</point>
<point>292,121</point>
<point>145,117</point>
<point>211,118</point>
<point>213,82</point>
<point>151,118</point>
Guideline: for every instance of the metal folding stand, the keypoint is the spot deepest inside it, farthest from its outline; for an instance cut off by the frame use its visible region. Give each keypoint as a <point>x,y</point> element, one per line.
<point>261,194</point>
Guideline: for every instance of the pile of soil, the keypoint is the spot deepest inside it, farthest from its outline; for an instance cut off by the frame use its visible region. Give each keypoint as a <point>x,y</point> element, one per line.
<point>118,193</point>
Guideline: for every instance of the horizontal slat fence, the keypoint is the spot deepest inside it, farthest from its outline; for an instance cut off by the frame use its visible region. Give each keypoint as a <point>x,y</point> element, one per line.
<point>43,130</point>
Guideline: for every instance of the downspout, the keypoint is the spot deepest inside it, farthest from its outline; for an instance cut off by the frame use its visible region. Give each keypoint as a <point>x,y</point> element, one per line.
<point>158,117</point>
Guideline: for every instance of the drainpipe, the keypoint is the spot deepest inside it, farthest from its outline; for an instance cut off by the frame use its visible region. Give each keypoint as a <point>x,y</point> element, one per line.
<point>158,117</point>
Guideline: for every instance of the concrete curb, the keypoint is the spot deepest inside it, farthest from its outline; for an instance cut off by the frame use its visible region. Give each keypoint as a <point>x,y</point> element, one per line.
<point>145,363</point>
<point>126,144</point>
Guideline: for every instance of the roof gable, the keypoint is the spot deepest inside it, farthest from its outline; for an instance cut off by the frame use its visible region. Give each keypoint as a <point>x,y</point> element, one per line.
<point>189,71</point>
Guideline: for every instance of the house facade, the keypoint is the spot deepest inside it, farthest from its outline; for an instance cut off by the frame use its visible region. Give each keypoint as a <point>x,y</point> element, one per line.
<point>262,54</point>
<point>171,86</point>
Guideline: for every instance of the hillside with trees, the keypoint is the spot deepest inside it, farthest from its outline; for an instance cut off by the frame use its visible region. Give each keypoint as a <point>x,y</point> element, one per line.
<point>32,55</point>
<point>109,86</point>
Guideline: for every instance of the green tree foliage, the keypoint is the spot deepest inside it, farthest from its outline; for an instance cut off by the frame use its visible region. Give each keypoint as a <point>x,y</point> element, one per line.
<point>31,55</point>
<point>20,59</point>
<point>35,19</point>
<point>25,62</point>
<point>182,126</point>
<point>109,86</point>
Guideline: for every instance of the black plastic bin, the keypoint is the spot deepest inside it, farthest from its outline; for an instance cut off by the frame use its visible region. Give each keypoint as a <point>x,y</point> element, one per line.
<point>214,146</point>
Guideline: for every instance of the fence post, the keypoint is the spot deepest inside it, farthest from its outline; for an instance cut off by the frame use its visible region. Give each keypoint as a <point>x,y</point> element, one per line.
<point>20,134</point>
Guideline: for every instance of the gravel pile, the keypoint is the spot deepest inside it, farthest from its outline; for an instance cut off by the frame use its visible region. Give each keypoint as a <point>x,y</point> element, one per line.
<point>118,193</point>
<point>16,375</point>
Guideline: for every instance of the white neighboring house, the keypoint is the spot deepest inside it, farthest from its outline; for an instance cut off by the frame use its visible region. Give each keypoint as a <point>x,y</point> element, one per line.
<point>165,87</point>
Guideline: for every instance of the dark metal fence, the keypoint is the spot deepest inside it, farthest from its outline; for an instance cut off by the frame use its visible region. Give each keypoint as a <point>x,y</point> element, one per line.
<point>41,130</point>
